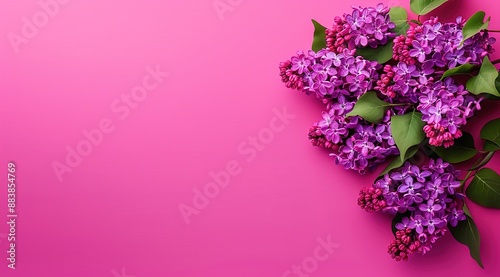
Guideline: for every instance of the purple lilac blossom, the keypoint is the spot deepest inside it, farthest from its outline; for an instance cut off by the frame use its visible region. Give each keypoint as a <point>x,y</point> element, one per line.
<point>338,78</point>
<point>364,27</point>
<point>425,195</point>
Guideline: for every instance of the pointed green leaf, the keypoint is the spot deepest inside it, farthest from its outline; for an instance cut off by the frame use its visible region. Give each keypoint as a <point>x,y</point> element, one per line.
<point>370,107</point>
<point>461,151</point>
<point>407,131</point>
<point>319,39</point>
<point>497,86</point>
<point>398,162</point>
<point>466,233</point>
<point>422,7</point>
<point>474,25</point>
<point>381,54</point>
<point>491,133</point>
<point>484,82</point>
<point>484,189</point>
<point>459,70</point>
<point>399,16</point>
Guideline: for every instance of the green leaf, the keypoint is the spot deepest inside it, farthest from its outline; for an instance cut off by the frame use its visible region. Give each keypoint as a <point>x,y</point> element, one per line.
<point>484,82</point>
<point>484,189</point>
<point>461,151</point>
<point>407,131</point>
<point>491,133</point>
<point>398,162</point>
<point>381,54</point>
<point>463,69</point>
<point>474,25</point>
<point>497,83</point>
<point>370,107</point>
<point>422,7</point>
<point>497,86</point>
<point>399,16</point>
<point>466,233</point>
<point>490,146</point>
<point>319,40</point>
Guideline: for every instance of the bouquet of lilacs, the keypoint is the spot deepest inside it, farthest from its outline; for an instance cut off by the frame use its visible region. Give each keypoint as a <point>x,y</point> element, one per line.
<point>392,88</point>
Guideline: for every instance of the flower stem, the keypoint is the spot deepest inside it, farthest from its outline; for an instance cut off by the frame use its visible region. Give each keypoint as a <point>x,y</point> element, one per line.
<point>496,61</point>
<point>401,104</point>
<point>477,165</point>
<point>494,31</point>
<point>483,162</point>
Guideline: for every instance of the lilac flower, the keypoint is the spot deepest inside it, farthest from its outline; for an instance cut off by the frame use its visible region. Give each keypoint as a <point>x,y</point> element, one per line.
<point>335,133</point>
<point>419,51</point>
<point>404,71</point>
<point>418,224</point>
<point>438,166</point>
<point>369,26</point>
<point>420,175</point>
<point>412,197</point>
<point>455,216</point>
<point>428,34</point>
<point>432,223</point>
<point>327,120</point>
<point>435,188</point>
<point>381,134</point>
<point>453,185</point>
<point>456,58</point>
<point>364,146</point>
<point>300,63</point>
<point>409,186</point>
<point>404,191</point>
<point>405,222</point>
<point>427,69</point>
<point>430,207</point>
<point>383,184</point>
<point>445,109</point>
<point>331,58</point>
<point>437,58</point>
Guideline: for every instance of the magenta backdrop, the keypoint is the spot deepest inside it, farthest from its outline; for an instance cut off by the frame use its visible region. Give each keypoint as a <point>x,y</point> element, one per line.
<point>116,210</point>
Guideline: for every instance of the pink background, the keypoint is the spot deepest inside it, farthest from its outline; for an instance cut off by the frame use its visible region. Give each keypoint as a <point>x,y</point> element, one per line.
<point>119,209</point>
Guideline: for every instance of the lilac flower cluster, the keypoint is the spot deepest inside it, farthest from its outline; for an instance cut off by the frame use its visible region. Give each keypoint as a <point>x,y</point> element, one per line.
<point>331,75</point>
<point>424,54</point>
<point>361,145</point>
<point>441,44</point>
<point>427,197</point>
<point>411,80</point>
<point>445,107</point>
<point>364,27</point>
<point>339,80</point>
